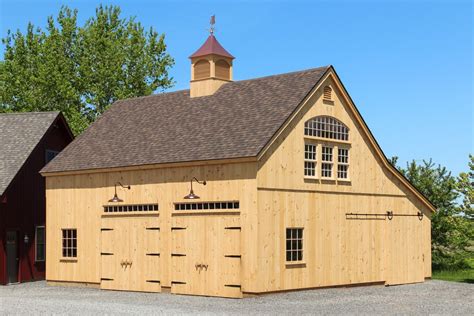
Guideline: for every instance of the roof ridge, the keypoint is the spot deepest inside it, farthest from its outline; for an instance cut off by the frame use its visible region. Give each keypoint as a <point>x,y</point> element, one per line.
<point>26,113</point>
<point>238,81</point>
<point>285,73</point>
<point>152,95</point>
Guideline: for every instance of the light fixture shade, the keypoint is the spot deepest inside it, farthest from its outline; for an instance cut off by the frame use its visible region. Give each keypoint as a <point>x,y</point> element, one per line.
<point>191,196</point>
<point>115,199</point>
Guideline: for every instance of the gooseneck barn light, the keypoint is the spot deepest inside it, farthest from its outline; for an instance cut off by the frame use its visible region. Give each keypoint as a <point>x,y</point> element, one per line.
<point>191,195</point>
<point>116,198</point>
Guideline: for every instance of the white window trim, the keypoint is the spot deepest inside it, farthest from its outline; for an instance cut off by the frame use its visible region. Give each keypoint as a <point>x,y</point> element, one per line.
<point>332,127</point>
<point>343,164</point>
<point>36,243</point>
<point>70,258</point>
<point>295,262</point>
<point>327,162</point>
<point>315,160</point>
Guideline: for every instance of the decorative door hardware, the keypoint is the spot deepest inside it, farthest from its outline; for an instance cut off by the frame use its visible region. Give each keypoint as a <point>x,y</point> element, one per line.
<point>126,263</point>
<point>200,266</point>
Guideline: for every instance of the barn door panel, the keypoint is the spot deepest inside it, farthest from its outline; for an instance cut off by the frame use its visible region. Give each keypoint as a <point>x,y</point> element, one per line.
<point>206,255</point>
<point>404,253</point>
<point>130,257</point>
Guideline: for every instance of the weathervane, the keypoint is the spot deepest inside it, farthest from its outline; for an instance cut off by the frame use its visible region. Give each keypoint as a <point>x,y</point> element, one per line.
<point>212,22</point>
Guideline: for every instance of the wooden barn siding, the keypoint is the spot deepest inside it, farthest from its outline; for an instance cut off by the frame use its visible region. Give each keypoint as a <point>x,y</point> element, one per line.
<point>75,201</point>
<point>338,251</point>
<point>26,205</point>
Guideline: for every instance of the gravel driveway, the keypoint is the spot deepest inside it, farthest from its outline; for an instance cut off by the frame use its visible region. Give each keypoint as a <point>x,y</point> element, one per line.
<point>431,297</point>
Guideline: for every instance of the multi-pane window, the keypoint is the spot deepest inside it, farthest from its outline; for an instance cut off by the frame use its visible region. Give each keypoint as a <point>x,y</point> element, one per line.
<point>309,160</point>
<point>326,164</point>
<point>343,163</point>
<point>294,244</point>
<point>326,127</point>
<point>40,244</point>
<point>69,243</point>
<point>225,205</point>
<point>131,208</point>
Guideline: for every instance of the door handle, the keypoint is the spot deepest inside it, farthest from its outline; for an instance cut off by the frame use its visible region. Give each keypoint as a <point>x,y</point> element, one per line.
<point>200,266</point>
<point>126,263</point>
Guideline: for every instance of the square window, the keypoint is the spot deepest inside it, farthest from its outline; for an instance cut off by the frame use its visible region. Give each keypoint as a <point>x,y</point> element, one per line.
<point>326,170</point>
<point>326,154</point>
<point>69,243</point>
<point>343,155</point>
<point>309,152</point>
<point>342,171</point>
<point>294,244</point>
<point>309,169</point>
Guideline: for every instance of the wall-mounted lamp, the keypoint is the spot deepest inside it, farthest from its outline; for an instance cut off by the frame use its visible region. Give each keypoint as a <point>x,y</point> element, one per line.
<point>191,195</point>
<point>116,198</point>
<point>420,216</point>
<point>26,239</point>
<point>390,215</point>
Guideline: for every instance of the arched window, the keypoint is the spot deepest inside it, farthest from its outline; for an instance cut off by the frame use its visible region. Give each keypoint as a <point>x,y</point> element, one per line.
<point>327,95</point>
<point>222,70</point>
<point>202,69</point>
<point>326,127</point>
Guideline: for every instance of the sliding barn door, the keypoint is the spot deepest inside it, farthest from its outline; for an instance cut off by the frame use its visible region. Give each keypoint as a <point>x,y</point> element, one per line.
<point>404,252</point>
<point>206,257</point>
<point>130,253</point>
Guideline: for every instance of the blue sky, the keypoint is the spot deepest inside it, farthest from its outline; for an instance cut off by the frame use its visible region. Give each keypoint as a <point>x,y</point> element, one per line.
<point>408,65</point>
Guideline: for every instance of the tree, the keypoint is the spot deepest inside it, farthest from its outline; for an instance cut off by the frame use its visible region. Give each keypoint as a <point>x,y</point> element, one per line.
<point>465,187</point>
<point>81,70</point>
<point>451,231</point>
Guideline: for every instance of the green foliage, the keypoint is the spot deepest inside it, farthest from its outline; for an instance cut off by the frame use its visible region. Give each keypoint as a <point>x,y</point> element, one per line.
<point>464,274</point>
<point>82,70</point>
<point>465,187</point>
<point>451,228</point>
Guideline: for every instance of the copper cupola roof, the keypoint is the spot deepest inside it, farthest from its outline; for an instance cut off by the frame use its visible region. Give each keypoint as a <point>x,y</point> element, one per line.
<point>211,46</point>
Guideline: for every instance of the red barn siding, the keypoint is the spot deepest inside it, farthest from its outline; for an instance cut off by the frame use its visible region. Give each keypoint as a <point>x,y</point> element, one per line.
<point>25,206</point>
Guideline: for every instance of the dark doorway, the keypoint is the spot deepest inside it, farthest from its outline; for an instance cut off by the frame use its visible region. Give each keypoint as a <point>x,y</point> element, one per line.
<point>12,256</point>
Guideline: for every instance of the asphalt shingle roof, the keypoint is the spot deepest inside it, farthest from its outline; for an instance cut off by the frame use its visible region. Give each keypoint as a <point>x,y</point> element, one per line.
<point>19,135</point>
<point>237,121</point>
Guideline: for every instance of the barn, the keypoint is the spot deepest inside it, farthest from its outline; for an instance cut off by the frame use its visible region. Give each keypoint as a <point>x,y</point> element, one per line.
<point>233,188</point>
<point>28,141</point>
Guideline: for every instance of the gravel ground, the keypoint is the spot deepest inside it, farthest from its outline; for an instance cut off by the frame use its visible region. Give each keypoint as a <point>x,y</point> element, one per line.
<point>431,297</point>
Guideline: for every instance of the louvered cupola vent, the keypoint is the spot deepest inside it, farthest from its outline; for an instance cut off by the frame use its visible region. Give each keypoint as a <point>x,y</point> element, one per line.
<point>211,67</point>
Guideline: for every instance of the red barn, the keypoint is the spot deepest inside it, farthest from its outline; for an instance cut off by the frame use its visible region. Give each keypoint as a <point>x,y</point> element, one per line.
<point>28,141</point>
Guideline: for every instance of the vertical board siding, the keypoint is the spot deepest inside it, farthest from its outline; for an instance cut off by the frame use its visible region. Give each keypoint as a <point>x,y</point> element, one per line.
<point>244,249</point>
<point>337,250</point>
<point>77,202</point>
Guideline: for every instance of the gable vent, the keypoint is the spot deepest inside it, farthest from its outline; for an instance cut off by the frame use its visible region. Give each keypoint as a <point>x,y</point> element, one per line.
<point>327,93</point>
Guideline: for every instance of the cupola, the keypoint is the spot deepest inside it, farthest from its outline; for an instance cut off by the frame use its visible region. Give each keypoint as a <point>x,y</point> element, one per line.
<point>211,66</point>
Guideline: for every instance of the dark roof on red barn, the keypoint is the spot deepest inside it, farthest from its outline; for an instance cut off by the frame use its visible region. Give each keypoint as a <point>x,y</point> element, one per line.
<point>237,121</point>
<point>19,135</point>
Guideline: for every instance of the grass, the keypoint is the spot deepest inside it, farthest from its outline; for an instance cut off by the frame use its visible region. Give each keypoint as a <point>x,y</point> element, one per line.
<point>465,276</point>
